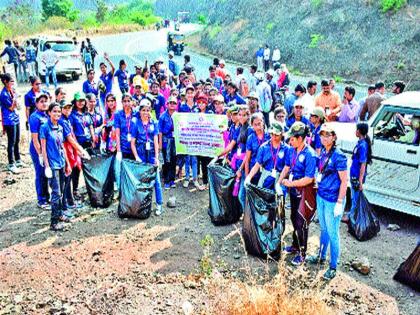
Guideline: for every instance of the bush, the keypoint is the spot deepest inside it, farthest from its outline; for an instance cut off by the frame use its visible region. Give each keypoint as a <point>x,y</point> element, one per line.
<point>269,27</point>
<point>214,31</point>
<point>392,5</point>
<point>5,32</point>
<point>315,39</point>
<point>58,22</point>
<point>202,19</point>
<point>63,8</point>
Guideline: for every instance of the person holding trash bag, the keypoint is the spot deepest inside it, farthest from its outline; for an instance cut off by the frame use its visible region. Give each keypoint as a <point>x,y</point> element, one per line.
<point>52,138</point>
<point>96,119</point>
<point>332,187</point>
<point>233,134</point>
<point>122,125</point>
<point>145,145</point>
<point>300,173</point>
<point>36,120</point>
<point>167,143</point>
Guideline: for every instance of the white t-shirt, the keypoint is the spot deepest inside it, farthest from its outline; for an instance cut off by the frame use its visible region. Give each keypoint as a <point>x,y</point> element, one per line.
<point>267,54</point>
<point>276,54</point>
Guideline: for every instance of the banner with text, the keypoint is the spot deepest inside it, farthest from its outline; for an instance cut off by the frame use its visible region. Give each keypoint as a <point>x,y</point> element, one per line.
<point>199,134</point>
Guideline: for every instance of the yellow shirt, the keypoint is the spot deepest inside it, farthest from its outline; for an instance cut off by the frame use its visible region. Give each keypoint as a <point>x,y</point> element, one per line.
<point>138,80</point>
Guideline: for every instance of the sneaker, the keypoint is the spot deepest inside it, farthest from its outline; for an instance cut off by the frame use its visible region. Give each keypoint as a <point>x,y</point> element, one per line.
<point>290,250</point>
<point>298,260</point>
<point>64,218</point>
<point>44,206</point>
<point>57,227</point>
<point>77,195</point>
<point>186,183</point>
<point>173,185</point>
<point>198,186</point>
<point>158,210</point>
<point>20,164</point>
<point>12,168</point>
<point>315,260</point>
<point>329,274</point>
<point>68,214</point>
<point>167,186</point>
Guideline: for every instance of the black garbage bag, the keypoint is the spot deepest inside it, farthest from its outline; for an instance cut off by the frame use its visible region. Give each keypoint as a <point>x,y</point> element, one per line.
<point>409,271</point>
<point>262,227</point>
<point>136,189</point>
<point>99,178</point>
<point>224,208</point>
<point>363,223</point>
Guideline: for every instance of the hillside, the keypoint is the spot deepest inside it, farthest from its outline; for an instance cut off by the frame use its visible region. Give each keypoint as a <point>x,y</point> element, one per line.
<point>351,39</point>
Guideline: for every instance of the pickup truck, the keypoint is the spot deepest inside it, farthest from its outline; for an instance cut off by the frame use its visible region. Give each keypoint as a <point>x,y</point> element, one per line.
<point>393,179</point>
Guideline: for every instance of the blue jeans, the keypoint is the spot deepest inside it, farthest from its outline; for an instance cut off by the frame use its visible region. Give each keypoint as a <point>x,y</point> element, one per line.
<point>330,230</point>
<point>41,182</point>
<point>50,71</point>
<point>57,189</point>
<point>191,160</point>
<point>242,192</point>
<point>117,171</point>
<point>158,189</point>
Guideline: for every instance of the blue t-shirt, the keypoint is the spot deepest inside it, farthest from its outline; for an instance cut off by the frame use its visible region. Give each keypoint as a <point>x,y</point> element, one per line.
<point>166,125</point>
<point>289,102</point>
<point>269,157</point>
<point>90,87</point>
<point>30,53</point>
<point>66,124</point>
<point>329,165</point>
<point>122,122</point>
<point>9,117</point>
<point>144,134</point>
<point>122,76</point>
<point>36,120</point>
<point>253,144</point>
<point>81,123</point>
<point>360,155</point>
<point>184,108</point>
<point>233,135</point>
<point>107,79</point>
<point>234,98</point>
<point>54,136</point>
<point>291,120</point>
<point>302,164</point>
<point>158,103</point>
<point>315,137</point>
<point>30,100</point>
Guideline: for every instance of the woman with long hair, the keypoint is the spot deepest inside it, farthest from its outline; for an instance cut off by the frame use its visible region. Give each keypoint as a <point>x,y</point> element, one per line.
<point>32,94</point>
<point>332,187</point>
<point>95,118</point>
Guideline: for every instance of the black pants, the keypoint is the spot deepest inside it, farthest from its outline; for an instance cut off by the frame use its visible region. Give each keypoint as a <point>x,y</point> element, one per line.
<point>57,188</point>
<point>129,156</point>
<point>300,233</point>
<point>13,138</point>
<point>68,199</point>
<point>204,162</point>
<point>169,161</point>
<point>266,65</point>
<point>75,174</point>
<point>266,119</point>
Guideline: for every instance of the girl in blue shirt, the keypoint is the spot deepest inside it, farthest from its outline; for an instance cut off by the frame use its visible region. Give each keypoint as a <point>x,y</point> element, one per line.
<point>332,187</point>
<point>96,119</point>
<point>90,86</point>
<point>122,75</point>
<point>254,141</point>
<point>317,119</point>
<point>145,145</point>
<point>36,120</point>
<point>11,122</point>
<point>52,139</point>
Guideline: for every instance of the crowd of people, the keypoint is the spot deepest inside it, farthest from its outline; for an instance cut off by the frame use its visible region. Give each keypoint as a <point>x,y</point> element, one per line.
<point>275,139</point>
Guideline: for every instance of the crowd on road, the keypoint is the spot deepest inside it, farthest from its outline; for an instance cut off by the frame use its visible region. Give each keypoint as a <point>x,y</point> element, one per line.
<point>277,139</point>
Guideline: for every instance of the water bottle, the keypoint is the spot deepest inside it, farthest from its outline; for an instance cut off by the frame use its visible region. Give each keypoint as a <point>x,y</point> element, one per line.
<point>235,192</point>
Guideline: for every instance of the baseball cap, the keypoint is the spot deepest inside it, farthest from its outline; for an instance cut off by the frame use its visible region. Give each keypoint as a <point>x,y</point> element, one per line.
<point>253,95</point>
<point>41,95</point>
<point>270,72</point>
<point>79,96</point>
<point>189,87</point>
<point>276,128</point>
<point>172,99</point>
<point>202,97</point>
<point>327,128</point>
<point>145,102</point>
<point>298,129</point>
<point>219,98</point>
<point>319,112</point>
<point>259,76</point>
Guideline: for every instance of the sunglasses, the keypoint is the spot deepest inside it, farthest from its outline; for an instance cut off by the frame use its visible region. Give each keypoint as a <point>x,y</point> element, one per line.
<point>280,116</point>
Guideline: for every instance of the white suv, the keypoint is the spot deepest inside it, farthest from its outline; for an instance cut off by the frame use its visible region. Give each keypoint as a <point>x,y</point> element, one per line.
<point>70,62</point>
<point>393,179</point>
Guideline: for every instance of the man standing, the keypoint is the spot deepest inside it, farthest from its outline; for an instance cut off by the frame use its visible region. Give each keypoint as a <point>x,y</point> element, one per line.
<point>398,87</point>
<point>107,79</point>
<point>264,97</point>
<point>12,53</point>
<point>217,82</point>
<point>329,100</point>
<point>269,75</point>
<point>50,60</point>
<point>290,100</point>
<point>93,52</point>
<point>350,107</point>
<point>260,56</point>
<point>252,80</point>
<point>309,98</point>
<point>276,55</point>
<point>30,58</point>
<point>267,53</point>
<point>373,102</point>
<point>172,66</point>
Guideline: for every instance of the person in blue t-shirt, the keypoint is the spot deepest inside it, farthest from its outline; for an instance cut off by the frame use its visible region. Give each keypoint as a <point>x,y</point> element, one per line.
<point>167,143</point>
<point>122,75</point>
<point>96,119</point>
<point>36,120</point>
<point>233,133</point>
<point>254,142</point>
<point>317,117</point>
<point>11,122</point>
<point>332,187</point>
<point>122,125</point>
<point>145,145</point>
<point>158,100</point>
<point>361,158</point>
<point>107,79</point>
<point>30,54</point>
<point>298,175</point>
<point>30,103</point>
<point>52,139</point>
<point>90,86</point>
<point>297,115</point>
<point>232,94</point>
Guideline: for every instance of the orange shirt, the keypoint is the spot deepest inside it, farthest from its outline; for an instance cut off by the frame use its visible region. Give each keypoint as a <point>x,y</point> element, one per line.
<point>328,102</point>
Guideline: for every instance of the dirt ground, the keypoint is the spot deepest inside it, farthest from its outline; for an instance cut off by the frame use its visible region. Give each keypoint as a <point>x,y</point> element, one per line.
<point>105,265</point>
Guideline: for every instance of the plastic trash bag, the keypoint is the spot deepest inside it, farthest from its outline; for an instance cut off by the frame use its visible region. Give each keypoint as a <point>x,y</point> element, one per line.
<point>224,208</point>
<point>136,189</point>
<point>409,271</point>
<point>363,223</point>
<point>99,178</point>
<point>262,227</point>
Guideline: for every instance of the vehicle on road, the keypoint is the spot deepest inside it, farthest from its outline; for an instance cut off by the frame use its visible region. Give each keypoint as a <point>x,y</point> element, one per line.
<point>393,179</point>
<point>70,62</point>
<point>176,42</point>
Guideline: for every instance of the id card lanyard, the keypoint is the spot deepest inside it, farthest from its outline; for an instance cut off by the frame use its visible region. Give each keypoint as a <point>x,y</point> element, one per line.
<point>323,164</point>
<point>294,160</point>
<point>274,158</point>
<point>146,128</point>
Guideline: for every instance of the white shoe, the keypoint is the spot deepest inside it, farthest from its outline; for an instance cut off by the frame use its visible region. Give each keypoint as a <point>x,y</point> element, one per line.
<point>12,168</point>
<point>186,183</point>
<point>159,210</point>
<point>197,185</point>
<point>20,164</point>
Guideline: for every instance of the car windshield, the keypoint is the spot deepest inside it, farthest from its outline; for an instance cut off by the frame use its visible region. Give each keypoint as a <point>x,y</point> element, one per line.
<point>62,46</point>
<point>179,37</point>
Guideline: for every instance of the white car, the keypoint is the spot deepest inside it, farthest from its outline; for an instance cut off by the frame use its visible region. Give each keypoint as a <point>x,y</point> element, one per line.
<point>70,62</point>
<point>393,179</point>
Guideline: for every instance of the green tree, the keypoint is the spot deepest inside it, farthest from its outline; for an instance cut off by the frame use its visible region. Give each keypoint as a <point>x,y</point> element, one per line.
<point>101,10</point>
<point>64,8</point>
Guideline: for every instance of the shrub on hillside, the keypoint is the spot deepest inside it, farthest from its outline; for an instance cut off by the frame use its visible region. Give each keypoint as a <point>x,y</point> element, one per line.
<point>392,5</point>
